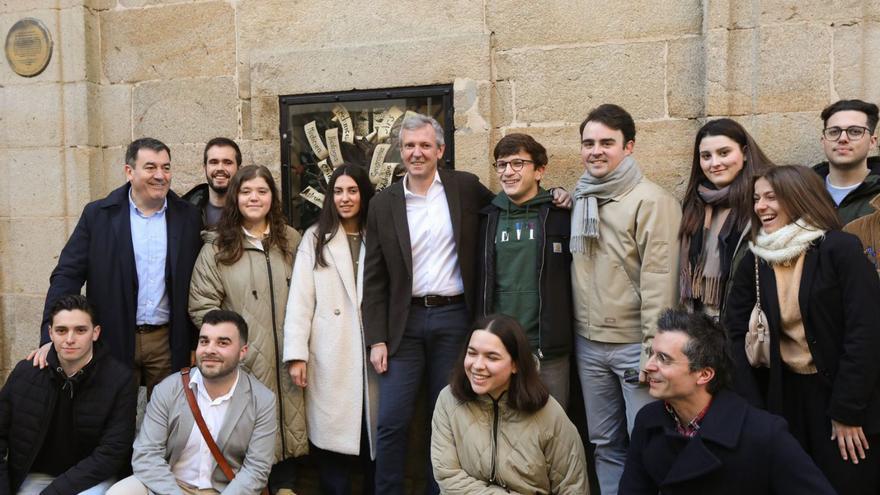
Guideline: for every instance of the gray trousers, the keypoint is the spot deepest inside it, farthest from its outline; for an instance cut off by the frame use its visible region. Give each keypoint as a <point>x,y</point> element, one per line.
<point>555,376</point>
<point>610,402</point>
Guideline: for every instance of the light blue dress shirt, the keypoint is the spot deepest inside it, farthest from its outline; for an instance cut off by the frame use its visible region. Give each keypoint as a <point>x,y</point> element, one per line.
<point>149,238</point>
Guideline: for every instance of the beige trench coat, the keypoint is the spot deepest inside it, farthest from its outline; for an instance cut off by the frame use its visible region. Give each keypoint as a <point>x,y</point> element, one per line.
<point>246,288</point>
<point>323,327</point>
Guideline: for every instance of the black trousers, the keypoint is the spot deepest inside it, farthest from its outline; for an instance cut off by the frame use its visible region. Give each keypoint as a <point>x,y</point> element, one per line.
<point>336,471</point>
<point>805,400</point>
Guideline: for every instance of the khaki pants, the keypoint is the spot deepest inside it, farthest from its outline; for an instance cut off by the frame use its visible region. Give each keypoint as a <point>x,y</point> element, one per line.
<point>133,486</point>
<point>152,358</point>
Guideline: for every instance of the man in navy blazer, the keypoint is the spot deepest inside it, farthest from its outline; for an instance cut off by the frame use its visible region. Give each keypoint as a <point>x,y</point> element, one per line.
<point>135,251</point>
<point>701,438</point>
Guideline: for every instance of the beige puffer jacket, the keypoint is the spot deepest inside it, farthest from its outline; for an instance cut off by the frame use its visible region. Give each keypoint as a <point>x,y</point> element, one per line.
<point>246,288</point>
<point>481,440</point>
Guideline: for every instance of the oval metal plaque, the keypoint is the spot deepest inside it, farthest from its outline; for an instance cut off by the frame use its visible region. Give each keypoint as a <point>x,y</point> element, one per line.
<point>28,47</point>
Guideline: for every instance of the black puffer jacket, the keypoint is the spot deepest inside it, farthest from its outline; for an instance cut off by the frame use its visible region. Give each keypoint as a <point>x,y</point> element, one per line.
<point>104,405</point>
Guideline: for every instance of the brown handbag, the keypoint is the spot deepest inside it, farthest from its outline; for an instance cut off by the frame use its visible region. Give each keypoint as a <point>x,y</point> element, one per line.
<point>203,428</point>
<point>758,336</point>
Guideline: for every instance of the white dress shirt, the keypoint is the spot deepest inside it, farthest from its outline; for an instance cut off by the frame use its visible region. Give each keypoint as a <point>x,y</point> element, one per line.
<point>196,463</point>
<point>435,260</point>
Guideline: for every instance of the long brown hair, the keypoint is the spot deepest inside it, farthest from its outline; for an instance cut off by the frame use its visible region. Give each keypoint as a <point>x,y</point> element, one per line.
<point>526,392</point>
<point>230,238</point>
<point>755,162</point>
<point>801,192</point>
<point>328,221</point>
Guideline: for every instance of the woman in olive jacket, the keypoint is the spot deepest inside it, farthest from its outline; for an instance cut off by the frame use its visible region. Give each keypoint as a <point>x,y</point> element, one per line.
<point>495,427</point>
<point>245,266</point>
<point>822,302</point>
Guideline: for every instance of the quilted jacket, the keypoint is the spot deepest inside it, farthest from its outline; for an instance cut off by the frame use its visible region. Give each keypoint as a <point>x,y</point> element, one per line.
<point>256,287</point>
<point>104,413</point>
<point>484,447</point>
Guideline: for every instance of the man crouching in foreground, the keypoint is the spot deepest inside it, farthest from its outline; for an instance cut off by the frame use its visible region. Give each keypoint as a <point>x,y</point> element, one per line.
<point>171,455</point>
<point>702,438</point>
<point>67,428</point>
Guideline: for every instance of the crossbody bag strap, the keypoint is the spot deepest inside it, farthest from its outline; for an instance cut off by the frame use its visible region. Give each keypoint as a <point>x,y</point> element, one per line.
<point>757,286</point>
<point>200,421</point>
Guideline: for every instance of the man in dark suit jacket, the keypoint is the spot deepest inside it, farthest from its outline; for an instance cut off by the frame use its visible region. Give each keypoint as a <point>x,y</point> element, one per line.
<point>701,438</point>
<point>135,249</point>
<point>420,281</point>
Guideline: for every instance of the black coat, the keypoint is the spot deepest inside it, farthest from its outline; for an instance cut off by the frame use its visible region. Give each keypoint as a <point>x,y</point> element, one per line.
<point>739,450</point>
<point>556,314</point>
<point>388,261</point>
<point>100,253</point>
<point>104,405</point>
<point>198,197</point>
<point>839,300</point>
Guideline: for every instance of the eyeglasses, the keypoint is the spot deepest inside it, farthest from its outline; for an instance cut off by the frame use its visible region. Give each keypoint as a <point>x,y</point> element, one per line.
<point>663,359</point>
<point>515,165</point>
<point>853,132</point>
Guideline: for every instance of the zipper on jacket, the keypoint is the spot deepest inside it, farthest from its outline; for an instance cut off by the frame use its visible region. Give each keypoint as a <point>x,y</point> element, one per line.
<point>276,364</point>
<point>492,479</point>
<point>489,228</point>
<point>544,216</point>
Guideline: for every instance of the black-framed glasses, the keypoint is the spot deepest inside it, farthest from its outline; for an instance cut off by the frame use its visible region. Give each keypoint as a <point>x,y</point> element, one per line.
<point>853,132</point>
<point>516,165</point>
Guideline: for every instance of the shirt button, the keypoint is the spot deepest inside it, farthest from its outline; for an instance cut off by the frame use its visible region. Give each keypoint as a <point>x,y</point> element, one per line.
<point>336,312</point>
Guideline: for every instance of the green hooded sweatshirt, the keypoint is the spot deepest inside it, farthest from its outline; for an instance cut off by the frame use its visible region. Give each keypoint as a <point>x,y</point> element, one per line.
<point>517,239</point>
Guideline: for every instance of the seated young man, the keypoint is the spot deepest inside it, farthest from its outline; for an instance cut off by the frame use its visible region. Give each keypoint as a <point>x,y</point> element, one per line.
<point>67,428</point>
<point>700,437</point>
<point>170,454</point>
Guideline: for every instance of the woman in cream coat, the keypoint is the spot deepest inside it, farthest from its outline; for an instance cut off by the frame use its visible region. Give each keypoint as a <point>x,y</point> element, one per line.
<point>323,336</point>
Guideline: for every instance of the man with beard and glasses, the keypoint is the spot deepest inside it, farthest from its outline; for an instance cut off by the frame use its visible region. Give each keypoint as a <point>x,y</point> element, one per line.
<point>170,453</point>
<point>221,159</point>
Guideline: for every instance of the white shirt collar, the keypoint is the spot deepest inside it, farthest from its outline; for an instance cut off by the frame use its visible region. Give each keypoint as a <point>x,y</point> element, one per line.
<point>407,192</point>
<point>196,379</point>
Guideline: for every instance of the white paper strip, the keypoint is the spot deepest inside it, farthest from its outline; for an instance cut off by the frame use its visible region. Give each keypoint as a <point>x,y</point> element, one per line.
<point>333,148</point>
<point>312,196</point>
<point>378,159</point>
<point>315,142</point>
<point>343,118</point>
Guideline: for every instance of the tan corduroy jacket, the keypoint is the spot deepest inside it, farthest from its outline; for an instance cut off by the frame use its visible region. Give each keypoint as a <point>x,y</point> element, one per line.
<point>481,440</point>
<point>867,228</point>
<point>630,274</point>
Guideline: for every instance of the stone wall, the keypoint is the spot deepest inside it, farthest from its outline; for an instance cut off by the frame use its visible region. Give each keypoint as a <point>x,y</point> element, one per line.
<point>188,70</point>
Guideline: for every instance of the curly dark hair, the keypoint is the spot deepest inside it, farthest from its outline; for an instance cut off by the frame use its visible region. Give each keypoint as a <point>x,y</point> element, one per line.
<point>707,345</point>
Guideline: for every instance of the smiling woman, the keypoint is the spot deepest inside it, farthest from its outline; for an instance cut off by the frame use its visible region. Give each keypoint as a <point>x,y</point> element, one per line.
<point>715,212</point>
<point>530,446</point>
<point>820,295</point>
<point>245,266</point>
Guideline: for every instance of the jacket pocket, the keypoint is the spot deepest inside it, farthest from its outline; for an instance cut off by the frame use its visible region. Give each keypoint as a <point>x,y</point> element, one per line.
<point>616,304</point>
<point>657,259</point>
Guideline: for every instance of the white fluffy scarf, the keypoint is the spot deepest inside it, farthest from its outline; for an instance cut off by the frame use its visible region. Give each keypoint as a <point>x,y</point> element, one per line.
<point>785,244</point>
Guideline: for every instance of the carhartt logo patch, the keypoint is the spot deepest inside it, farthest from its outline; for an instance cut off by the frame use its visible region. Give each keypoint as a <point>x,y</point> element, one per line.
<point>557,247</point>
